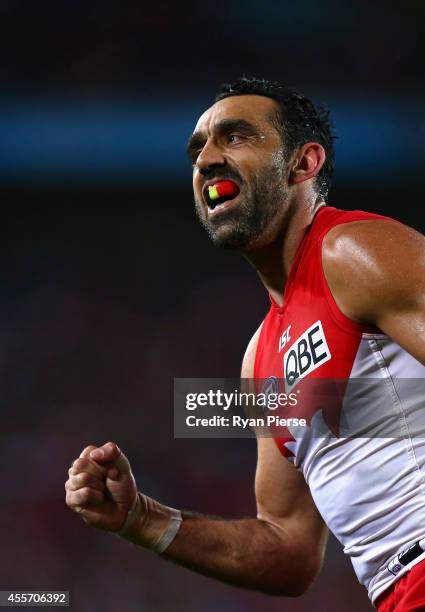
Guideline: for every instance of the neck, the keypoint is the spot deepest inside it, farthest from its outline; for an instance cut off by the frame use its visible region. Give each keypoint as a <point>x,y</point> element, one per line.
<point>273,261</point>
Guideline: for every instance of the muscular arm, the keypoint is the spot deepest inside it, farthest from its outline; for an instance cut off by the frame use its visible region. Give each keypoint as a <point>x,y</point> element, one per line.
<point>279,552</point>
<point>376,273</point>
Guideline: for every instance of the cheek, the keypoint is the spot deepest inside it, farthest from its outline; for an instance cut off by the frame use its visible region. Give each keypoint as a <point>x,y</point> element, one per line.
<point>199,205</point>
<point>196,181</point>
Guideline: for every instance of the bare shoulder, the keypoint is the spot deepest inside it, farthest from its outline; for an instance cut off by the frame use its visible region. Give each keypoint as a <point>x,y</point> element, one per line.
<point>372,263</point>
<point>374,236</point>
<point>249,357</point>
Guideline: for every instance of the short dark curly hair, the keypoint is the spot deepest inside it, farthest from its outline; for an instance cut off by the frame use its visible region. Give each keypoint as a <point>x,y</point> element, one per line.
<point>298,120</point>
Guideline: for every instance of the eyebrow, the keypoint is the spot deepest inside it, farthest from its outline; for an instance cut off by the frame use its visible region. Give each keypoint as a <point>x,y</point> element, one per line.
<point>223,127</point>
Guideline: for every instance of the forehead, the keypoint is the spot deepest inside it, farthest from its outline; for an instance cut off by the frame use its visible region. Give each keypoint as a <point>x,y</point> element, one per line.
<point>252,108</point>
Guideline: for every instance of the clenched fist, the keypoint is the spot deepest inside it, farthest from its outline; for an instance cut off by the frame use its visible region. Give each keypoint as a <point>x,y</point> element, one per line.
<point>101,487</point>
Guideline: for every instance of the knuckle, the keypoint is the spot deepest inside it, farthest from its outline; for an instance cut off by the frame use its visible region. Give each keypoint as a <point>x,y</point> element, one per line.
<point>83,478</point>
<point>86,451</point>
<point>69,499</point>
<point>88,448</point>
<point>77,465</point>
<point>71,484</point>
<point>84,495</point>
<point>85,469</point>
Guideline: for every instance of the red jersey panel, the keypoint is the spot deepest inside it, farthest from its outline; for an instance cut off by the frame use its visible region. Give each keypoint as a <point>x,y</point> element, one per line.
<point>369,485</point>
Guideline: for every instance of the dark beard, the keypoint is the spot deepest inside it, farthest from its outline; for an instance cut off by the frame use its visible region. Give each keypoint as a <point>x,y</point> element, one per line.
<point>248,224</point>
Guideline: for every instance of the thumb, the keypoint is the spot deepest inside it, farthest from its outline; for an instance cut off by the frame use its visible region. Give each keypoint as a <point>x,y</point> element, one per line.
<point>111,453</point>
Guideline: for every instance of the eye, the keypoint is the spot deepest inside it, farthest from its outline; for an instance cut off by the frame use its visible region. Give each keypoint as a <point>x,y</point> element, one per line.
<point>234,138</point>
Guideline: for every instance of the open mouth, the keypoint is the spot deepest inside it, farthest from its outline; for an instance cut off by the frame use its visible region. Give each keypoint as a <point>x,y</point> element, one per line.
<point>220,195</point>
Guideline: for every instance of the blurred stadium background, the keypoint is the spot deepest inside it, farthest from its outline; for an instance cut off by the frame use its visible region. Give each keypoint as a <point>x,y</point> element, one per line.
<point>110,288</point>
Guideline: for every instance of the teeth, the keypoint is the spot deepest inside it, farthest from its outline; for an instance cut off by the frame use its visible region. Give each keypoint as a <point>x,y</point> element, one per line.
<point>213,203</point>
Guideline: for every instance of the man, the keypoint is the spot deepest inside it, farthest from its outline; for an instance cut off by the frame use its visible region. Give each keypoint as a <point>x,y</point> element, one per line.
<point>348,300</point>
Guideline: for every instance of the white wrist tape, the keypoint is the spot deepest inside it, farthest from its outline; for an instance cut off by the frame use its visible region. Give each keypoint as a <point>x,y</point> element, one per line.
<point>169,533</point>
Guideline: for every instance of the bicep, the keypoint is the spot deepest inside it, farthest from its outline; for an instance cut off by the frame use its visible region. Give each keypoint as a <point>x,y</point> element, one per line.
<point>407,327</point>
<point>399,305</point>
<point>376,273</point>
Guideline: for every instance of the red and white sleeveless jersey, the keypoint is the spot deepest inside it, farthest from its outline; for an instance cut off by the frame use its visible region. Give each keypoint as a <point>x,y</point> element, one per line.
<point>369,486</point>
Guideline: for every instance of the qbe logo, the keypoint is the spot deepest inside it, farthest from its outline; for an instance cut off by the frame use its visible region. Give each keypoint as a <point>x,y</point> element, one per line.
<point>306,354</point>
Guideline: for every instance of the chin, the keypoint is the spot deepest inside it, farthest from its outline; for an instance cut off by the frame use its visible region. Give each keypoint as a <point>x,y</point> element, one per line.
<point>229,238</point>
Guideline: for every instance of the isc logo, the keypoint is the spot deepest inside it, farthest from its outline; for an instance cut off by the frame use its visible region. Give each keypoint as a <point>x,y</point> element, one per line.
<point>306,354</point>
<point>285,338</point>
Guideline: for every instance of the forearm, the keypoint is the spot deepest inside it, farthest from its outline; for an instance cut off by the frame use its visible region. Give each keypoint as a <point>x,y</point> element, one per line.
<point>249,553</point>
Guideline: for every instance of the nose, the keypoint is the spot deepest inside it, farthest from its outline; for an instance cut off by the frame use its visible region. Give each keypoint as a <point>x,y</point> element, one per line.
<point>210,156</point>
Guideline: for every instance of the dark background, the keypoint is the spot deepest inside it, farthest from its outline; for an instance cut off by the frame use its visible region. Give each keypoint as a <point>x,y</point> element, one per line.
<point>109,287</point>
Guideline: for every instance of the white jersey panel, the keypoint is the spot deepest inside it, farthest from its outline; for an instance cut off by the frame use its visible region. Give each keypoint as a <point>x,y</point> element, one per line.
<point>370,488</point>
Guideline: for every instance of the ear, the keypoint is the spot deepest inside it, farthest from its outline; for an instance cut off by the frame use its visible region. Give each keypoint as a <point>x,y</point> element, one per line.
<point>307,162</point>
